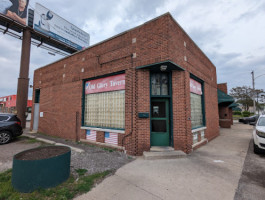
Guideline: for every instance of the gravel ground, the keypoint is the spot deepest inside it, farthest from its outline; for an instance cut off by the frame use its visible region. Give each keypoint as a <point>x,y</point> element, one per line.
<point>94,159</point>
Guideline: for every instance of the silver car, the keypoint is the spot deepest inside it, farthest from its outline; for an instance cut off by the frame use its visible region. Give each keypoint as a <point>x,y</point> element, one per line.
<point>259,135</point>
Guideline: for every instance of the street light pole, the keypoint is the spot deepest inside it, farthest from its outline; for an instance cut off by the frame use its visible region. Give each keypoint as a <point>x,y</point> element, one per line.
<point>253,84</point>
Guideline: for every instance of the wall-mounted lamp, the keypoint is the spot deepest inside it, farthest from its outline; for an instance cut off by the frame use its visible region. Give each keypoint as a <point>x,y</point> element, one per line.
<point>163,68</point>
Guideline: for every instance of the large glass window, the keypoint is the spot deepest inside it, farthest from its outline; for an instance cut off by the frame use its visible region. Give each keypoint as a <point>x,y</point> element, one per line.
<point>196,110</point>
<point>106,109</point>
<point>196,104</point>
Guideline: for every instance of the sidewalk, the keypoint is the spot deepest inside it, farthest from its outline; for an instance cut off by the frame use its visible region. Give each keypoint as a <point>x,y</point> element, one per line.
<point>211,172</point>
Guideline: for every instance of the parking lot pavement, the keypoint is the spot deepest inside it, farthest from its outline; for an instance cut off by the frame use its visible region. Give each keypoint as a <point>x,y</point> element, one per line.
<point>7,151</point>
<point>252,181</point>
<point>211,172</point>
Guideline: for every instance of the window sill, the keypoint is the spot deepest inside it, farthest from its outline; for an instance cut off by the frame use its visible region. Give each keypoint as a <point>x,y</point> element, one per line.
<point>198,129</point>
<point>103,129</point>
<point>199,143</point>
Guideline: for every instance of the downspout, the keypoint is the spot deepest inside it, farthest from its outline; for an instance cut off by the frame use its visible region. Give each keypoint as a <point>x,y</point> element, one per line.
<point>123,139</point>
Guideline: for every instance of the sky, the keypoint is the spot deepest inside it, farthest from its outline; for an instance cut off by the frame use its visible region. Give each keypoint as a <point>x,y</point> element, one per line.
<point>230,33</point>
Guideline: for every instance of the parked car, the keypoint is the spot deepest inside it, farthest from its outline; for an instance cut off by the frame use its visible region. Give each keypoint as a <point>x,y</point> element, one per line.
<point>247,120</point>
<point>10,127</point>
<point>259,135</point>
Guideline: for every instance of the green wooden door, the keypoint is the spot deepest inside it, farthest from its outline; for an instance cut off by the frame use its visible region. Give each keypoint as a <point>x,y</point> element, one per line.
<point>160,129</point>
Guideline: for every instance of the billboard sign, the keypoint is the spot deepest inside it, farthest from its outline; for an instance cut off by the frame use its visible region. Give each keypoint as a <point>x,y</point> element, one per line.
<point>15,9</point>
<point>52,25</point>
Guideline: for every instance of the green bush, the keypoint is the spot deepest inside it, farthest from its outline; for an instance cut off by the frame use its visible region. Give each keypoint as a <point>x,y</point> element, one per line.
<point>236,113</point>
<point>246,113</point>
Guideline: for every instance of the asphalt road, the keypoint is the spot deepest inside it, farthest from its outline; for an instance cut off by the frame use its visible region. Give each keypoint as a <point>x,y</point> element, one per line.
<point>252,182</point>
<point>7,151</point>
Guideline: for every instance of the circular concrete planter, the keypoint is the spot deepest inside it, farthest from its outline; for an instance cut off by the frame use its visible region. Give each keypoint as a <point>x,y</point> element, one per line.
<point>42,167</point>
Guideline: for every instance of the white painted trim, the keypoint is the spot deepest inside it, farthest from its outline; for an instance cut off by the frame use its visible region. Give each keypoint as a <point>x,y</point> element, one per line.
<point>198,129</point>
<point>103,129</point>
<point>198,143</point>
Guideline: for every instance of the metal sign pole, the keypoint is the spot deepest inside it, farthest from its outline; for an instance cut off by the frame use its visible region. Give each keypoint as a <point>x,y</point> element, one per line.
<point>23,80</point>
<point>253,84</point>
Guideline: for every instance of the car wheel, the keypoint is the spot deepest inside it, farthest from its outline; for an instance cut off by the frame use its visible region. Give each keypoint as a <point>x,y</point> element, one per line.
<point>256,149</point>
<point>5,137</point>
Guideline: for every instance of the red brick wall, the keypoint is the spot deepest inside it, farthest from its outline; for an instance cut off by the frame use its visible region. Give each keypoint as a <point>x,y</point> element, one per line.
<point>222,87</point>
<point>199,65</point>
<point>100,136</point>
<point>225,116</point>
<point>161,39</point>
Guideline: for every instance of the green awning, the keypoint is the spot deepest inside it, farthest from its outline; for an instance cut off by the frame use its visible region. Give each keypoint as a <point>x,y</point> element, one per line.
<point>224,98</point>
<point>156,66</point>
<point>233,105</point>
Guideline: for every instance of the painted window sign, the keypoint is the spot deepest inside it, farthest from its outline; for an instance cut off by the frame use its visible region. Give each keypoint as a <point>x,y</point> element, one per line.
<point>195,87</point>
<point>107,84</point>
<point>91,135</point>
<point>106,134</point>
<point>111,138</point>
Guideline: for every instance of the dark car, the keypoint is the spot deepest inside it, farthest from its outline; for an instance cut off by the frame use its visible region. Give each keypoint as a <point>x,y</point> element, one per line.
<point>10,127</point>
<point>247,120</point>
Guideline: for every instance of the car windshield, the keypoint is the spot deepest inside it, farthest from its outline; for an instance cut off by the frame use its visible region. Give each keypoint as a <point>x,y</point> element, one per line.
<point>261,121</point>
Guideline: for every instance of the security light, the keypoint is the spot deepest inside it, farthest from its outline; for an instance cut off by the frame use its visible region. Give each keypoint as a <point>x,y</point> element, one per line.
<point>163,68</point>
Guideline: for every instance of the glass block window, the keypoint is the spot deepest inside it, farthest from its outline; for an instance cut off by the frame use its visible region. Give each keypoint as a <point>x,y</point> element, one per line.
<point>196,104</point>
<point>106,109</point>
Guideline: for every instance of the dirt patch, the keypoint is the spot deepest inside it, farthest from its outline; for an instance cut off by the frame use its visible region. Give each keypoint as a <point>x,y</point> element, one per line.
<point>42,153</point>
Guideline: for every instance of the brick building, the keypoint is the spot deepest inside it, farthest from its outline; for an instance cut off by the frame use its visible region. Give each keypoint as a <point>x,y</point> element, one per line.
<point>8,104</point>
<point>225,105</point>
<point>148,86</point>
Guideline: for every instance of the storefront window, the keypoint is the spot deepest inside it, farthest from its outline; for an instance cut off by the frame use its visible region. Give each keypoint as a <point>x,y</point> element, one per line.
<point>105,102</point>
<point>159,83</point>
<point>196,104</point>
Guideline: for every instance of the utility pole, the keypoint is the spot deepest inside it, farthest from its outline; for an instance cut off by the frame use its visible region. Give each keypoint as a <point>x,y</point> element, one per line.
<point>253,84</point>
<point>23,80</point>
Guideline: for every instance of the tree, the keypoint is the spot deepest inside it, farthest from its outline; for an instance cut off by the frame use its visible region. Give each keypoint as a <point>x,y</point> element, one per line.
<point>245,95</point>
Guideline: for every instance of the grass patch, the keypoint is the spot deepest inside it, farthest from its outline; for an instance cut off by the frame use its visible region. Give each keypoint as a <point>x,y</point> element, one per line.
<point>108,149</point>
<point>235,117</point>
<point>67,190</point>
<point>81,172</point>
<point>29,140</point>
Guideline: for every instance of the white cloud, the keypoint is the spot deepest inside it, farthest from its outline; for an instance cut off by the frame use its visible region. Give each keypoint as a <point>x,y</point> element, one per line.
<point>231,33</point>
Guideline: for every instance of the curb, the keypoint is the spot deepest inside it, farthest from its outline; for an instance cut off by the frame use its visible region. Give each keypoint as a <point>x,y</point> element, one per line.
<point>54,143</point>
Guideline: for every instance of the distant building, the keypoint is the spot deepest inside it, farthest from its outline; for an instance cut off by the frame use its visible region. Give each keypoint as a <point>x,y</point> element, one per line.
<point>225,106</point>
<point>8,104</point>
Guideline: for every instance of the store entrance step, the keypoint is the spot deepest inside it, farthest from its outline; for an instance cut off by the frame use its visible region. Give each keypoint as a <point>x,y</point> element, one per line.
<point>161,149</point>
<point>164,154</point>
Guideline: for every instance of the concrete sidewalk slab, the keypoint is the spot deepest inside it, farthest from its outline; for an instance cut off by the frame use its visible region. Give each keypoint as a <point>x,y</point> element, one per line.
<point>211,172</point>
